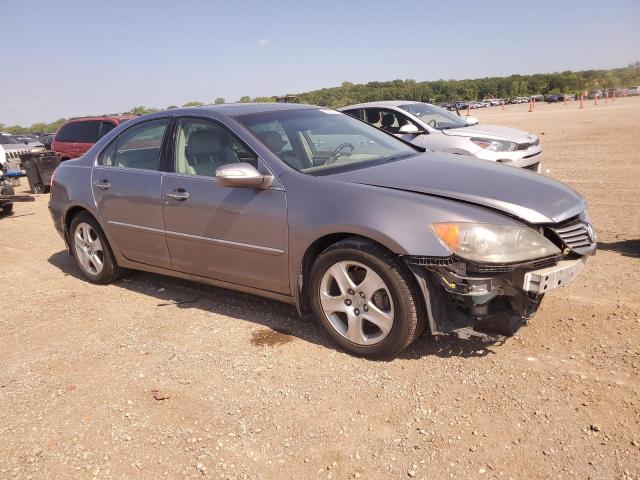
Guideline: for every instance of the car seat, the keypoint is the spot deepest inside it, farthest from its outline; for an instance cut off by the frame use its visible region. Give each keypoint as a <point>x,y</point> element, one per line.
<point>205,152</point>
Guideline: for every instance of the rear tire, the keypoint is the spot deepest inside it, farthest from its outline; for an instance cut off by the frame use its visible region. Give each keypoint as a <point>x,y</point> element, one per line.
<point>373,309</point>
<point>38,188</point>
<point>91,250</point>
<point>7,209</point>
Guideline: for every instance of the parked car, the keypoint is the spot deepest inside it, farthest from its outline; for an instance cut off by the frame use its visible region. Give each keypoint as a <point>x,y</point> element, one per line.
<point>434,128</point>
<point>46,140</point>
<point>553,98</point>
<point>633,91</point>
<point>76,136</point>
<point>302,204</point>
<point>13,148</point>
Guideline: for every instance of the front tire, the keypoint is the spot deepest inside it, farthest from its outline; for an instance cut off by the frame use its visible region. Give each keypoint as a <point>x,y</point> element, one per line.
<point>91,250</point>
<point>365,298</point>
<point>7,210</point>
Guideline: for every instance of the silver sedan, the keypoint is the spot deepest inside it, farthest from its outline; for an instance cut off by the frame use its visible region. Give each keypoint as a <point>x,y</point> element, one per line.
<point>437,129</point>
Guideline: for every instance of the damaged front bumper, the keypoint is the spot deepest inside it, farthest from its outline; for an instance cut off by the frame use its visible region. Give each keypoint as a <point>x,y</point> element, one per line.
<point>487,301</point>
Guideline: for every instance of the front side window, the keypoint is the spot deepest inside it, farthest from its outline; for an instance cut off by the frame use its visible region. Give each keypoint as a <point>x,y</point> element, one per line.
<point>435,117</point>
<point>387,120</point>
<point>201,147</point>
<point>138,147</point>
<point>313,140</point>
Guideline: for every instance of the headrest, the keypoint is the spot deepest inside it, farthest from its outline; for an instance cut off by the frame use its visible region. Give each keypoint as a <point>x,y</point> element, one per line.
<point>373,116</point>
<point>273,140</point>
<point>387,120</point>
<point>204,142</point>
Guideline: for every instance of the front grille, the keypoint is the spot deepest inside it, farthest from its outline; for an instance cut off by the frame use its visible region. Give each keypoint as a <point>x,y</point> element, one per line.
<point>15,153</point>
<point>534,265</point>
<point>423,260</point>
<point>576,235</point>
<point>533,166</point>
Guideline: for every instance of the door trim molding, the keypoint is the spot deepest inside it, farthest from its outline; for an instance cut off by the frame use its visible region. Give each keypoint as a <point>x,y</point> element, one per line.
<point>217,241</point>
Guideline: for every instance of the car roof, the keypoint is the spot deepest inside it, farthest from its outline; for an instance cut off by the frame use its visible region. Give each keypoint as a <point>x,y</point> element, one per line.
<point>101,117</point>
<point>234,109</point>
<point>386,103</point>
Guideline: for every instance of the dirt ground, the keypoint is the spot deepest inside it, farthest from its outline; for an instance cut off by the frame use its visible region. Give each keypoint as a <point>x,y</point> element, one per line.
<point>121,382</point>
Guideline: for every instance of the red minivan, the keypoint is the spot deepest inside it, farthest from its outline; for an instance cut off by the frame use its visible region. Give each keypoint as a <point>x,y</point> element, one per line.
<point>77,135</point>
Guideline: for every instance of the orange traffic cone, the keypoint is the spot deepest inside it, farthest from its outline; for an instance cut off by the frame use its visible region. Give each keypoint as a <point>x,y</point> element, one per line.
<point>565,99</point>
<point>468,110</point>
<point>530,106</point>
<point>595,102</point>
<point>606,98</point>
<point>581,98</point>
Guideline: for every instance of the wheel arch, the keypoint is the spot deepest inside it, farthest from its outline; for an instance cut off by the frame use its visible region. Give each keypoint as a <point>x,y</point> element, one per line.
<point>68,216</point>
<point>316,248</point>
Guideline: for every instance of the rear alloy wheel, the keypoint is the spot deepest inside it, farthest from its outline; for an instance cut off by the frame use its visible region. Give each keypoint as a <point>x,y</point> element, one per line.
<point>91,250</point>
<point>38,188</point>
<point>365,298</point>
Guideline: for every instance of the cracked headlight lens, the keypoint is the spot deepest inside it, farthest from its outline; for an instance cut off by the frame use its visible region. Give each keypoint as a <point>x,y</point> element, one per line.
<point>489,243</point>
<point>495,145</point>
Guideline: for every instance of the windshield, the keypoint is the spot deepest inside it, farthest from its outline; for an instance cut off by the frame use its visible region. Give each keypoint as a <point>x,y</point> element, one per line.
<point>5,139</point>
<point>435,117</point>
<point>317,139</point>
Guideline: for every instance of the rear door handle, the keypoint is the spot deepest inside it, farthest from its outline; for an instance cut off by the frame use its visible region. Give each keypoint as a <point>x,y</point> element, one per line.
<point>102,184</point>
<point>178,194</point>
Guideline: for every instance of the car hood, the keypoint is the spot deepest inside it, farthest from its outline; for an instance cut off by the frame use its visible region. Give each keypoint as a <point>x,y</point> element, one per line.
<point>520,193</point>
<point>492,131</point>
<point>12,147</point>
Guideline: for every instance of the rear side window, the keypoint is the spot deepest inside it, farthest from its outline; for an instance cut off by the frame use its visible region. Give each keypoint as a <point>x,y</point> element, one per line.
<point>138,147</point>
<point>357,113</point>
<point>106,128</point>
<point>67,133</point>
<point>87,132</point>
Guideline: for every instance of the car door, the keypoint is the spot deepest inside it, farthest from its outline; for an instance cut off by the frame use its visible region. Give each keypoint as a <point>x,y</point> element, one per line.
<point>237,235</point>
<point>127,189</point>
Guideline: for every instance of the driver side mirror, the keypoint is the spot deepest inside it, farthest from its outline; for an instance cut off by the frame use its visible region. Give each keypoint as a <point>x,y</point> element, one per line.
<point>472,121</point>
<point>409,129</point>
<point>242,175</point>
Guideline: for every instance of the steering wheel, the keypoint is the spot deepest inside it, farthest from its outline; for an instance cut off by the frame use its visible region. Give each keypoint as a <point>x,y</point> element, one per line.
<point>337,152</point>
<point>432,123</point>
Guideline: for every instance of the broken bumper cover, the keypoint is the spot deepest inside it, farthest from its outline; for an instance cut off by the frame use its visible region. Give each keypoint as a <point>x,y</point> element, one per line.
<point>490,305</point>
<point>545,279</point>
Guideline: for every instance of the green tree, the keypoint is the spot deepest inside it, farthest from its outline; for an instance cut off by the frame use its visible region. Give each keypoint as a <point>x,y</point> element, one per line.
<point>218,101</point>
<point>245,99</point>
<point>170,107</point>
<point>193,104</point>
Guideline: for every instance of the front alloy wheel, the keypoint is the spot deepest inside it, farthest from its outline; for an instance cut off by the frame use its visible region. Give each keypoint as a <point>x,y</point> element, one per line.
<point>357,302</point>
<point>366,298</point>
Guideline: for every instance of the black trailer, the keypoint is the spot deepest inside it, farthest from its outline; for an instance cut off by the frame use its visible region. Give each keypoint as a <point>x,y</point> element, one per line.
<point>40,167</point>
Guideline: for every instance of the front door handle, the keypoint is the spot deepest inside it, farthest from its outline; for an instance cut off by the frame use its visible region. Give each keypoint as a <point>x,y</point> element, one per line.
<point>102,184</point>
<point>178,194</point>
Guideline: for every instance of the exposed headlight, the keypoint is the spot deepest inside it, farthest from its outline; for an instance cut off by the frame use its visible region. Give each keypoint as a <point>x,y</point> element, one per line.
<point>489,243</point>
<point>495,145</point>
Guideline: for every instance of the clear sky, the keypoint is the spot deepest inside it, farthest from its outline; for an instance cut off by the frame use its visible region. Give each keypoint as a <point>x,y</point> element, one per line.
<point>75,57</point>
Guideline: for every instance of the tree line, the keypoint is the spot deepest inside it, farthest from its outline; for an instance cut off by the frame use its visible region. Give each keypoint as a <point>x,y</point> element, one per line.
<point>437,91</point>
